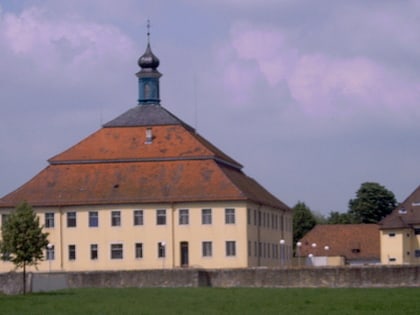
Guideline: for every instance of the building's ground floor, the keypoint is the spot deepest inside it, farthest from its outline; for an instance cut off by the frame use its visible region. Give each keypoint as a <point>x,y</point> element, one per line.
<point>155,236</point>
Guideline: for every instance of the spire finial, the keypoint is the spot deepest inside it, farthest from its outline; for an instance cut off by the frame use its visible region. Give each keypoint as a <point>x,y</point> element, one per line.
<point>148,30</point>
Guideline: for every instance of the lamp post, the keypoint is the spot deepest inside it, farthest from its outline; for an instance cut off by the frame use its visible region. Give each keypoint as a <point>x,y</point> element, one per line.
<point>282,252</point>
<point>163,244</point>
<point>49,255</point>
<point>326,248</point>
<point>298,246</point>
<point>310,256</point>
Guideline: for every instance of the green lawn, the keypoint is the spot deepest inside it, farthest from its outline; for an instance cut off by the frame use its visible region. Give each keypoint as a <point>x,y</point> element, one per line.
<point>402,301</point>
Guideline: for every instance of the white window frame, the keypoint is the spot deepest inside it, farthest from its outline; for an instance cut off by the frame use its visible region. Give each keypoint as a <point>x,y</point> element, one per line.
<point>72,252</point>
<point>230,248</point>
<point>72,219</point>
<point>92,218</point>
<point>206,216</point>
<point>94,252</point>
<point>117,251</point>
<point>207,249</point>
<point>230,216</point>
<point>161,217</point>
<point>138,217</point>
<point>49,220</point>
<point>138,250</point>
<point>184,216</point>
<point>115,218</point>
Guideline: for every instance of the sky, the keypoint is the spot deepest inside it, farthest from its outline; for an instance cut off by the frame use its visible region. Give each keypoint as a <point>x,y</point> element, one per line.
<point>314,98</point>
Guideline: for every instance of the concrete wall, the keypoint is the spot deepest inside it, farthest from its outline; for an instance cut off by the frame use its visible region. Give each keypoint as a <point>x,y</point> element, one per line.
<point>328,277</point>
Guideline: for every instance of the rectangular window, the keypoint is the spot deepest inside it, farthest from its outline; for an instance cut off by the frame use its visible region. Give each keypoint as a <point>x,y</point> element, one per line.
<point>248,216</point>
<point>115,218</point>
<point>229,216</point>
<point>50,252</point>
<point>71,219</point>
<point>138,248</point>
<point>72,252</point>
<point>206,249</point>
<point>4,218</point>
<point>49,219</point>
<point>255,217</point>
<point>230,248</point>
<point>138,217</point>
<point>93,219</point>
<point>417,253</point>
<point>116,251</point>
<point>161,250</point>
<point>391,234</point>
<point>249,248</point>
<point>93,251</point>
<point>255,248</point>
<point>183,216</point>
<point>205,216</point>
<point>161,217</point>
<point>417,231</point>
<point>259,218</point>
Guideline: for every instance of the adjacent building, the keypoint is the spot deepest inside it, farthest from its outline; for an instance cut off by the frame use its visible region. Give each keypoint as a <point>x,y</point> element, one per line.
<point>146,191</point>
<point>340,244</point>
<point>400,232</point>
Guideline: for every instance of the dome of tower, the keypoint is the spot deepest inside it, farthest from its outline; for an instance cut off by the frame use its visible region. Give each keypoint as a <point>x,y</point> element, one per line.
<point>148,60</point>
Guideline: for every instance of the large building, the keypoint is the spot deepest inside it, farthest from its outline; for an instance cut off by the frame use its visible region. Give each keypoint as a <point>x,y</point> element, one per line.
<point>400,232</point>
<point>146,191</point>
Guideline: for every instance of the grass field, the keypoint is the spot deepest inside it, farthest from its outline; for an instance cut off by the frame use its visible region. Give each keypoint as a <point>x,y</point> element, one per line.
<point>402,301</point>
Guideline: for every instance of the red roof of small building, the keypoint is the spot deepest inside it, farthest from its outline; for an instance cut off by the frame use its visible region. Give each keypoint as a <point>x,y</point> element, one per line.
<point>351,241</point>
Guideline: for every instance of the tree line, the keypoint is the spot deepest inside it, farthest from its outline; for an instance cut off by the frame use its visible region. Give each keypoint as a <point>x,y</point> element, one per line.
<point>372,203</point>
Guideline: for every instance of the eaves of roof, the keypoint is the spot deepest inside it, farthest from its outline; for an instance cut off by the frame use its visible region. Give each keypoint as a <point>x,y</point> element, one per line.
<point>137,182</point>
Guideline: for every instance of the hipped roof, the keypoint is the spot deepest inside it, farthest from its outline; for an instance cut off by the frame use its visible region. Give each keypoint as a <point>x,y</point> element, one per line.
<point>117,165</point>
<point>352,241</point>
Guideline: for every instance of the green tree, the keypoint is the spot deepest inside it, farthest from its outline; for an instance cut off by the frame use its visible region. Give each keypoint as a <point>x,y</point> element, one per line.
<point>336,217</point>
<point>303,221</point>
<point>372,203</point>
<point>22,239</point>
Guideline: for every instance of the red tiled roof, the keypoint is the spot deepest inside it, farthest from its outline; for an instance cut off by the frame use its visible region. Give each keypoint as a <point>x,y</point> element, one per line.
<point>352,241</point>
<point>138,182</point>
<point>115,165</point>
<point>129,143</point>
<point>405,215</point>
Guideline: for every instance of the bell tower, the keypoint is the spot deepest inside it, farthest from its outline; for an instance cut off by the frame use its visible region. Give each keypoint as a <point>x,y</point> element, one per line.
<point>148,75</point>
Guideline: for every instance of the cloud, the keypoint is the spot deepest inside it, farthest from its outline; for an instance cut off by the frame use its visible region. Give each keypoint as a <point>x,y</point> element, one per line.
<point>53,43</point>
<point>319,83</point>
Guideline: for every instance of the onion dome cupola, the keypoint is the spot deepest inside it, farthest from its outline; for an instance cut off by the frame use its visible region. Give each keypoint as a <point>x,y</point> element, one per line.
<point>148,75</point>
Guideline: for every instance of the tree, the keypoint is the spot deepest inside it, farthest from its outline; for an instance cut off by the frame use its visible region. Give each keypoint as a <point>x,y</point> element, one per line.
<point>303,221</point>
<point>22,239</point>
<point>372,203</point>
<point>336,217</point>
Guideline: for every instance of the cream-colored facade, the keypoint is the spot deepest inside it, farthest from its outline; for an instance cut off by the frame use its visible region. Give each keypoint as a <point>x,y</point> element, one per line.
<point>400,246</point>
<point>155,236</point>
<point>400,233</point>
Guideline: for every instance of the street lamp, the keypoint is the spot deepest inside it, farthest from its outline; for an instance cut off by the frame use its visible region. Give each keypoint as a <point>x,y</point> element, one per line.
<point>310,256</point>
<point>298,246</point>
<point>282,242</point>
<point>162,244</point>
<point>49,255</point>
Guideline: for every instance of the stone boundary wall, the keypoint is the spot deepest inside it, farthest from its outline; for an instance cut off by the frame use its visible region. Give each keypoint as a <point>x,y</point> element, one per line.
<point>326,277</point>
